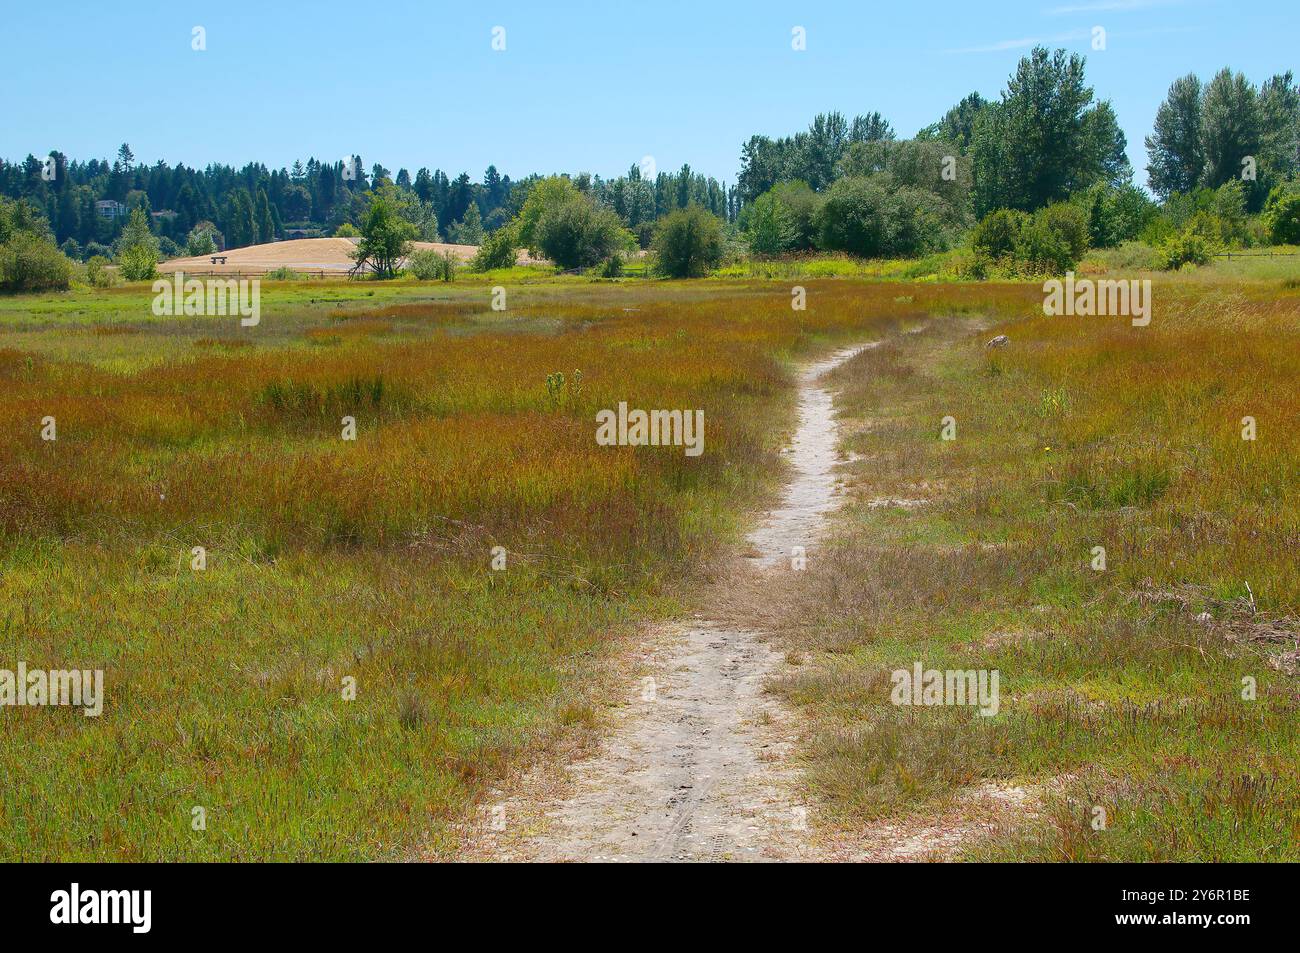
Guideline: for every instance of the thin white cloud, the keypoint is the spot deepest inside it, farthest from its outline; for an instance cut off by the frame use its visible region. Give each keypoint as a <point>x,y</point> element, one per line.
<point>1111,6</point>
<point>1024,43</point>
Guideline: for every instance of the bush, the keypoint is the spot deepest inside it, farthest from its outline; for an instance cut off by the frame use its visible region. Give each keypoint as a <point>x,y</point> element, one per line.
<point>1050,241</point>
<point>30,262</point>
<point>997,233</point>
<point>137,263</point>
<point>284,273</point>
<point>137,249</point>
<point>1115,214</point>
<point>1282,219</point>
<point>611,267</point>
<point>201,241</point>
<point>430,265</point>
<point>877,218</point>
<point>1053,239</point>
<point>347,230</point>
<point>687,243</point>
<point>544,195</point>
<point>98,274</point>
<point>499,250</point>
<point>1188,247</point>
<point>17,216</point>
<point>577,233</point>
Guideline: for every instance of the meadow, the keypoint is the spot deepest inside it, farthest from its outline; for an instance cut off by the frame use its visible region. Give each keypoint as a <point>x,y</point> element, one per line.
<point>1149,697</point>
<point>371,559</point>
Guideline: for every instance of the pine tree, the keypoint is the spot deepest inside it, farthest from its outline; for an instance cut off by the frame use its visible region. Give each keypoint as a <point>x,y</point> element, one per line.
<point>265,223</point>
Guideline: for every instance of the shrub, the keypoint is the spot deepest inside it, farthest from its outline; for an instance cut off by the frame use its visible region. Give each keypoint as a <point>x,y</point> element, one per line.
<point>1184,248</point>
<point>577,234</point>
<point>877,218</point>
<point>611,267</point>
<point>98,274</point>
<point>430,265</point>
<point>201,241</point>
<point>18,216</point>
<point>965,265</point>
<point>137,263</point>
<point>1282,220</point>
<point>1115,214</point>
<point>544,196</point>
<point>284,273</point>
<point>499,250</point>
<point>30,262</point>
<point>997,232</point>
<point>687,243</point>
<point>347,230</point>
<point>1052,240</point>
<point>137,249</point>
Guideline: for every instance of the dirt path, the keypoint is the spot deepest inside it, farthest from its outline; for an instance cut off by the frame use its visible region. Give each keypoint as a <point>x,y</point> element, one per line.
<point>697,767</point>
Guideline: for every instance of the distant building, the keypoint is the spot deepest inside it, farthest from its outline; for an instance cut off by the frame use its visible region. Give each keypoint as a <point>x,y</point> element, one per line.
<point>107,208</point>
<point>166,215</point>
<point>290,233</point>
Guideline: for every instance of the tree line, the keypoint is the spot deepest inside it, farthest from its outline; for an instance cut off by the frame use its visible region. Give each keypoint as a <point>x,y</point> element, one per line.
<point>1219,152</point>
<point>1024,182</point>
<point>235,207</point>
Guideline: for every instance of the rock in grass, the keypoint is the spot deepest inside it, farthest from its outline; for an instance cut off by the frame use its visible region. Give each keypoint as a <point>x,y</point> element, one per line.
<point>1000,341</point>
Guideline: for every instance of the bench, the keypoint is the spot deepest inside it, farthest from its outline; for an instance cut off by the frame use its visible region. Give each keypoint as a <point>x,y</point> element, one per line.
<point>218,258</point>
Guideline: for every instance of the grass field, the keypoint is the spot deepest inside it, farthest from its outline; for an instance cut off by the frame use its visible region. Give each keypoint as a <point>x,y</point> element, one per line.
<point>1122,689</point>
<point>370,559</point>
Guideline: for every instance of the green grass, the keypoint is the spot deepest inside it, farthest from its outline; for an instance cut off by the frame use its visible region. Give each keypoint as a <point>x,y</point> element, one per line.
<point>369,559</point>
<point>1115,693</point>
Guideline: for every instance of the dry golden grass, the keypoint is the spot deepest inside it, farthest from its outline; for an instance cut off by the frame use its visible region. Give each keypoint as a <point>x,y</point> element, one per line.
<point>1116,692</point>
<point>366,559</point>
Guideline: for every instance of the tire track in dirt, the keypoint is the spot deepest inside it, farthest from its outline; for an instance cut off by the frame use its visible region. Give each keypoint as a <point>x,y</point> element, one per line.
<point>698,768</point>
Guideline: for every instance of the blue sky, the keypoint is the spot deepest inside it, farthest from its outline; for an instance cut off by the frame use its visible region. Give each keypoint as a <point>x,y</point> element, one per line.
<point>580,86</point>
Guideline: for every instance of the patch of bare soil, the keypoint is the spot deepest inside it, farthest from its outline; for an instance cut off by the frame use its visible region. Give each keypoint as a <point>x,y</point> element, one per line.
<point>990,810</point>
<point>698,763</point>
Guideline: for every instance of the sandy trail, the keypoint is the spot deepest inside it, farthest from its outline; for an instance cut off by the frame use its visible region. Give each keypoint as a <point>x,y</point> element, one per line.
<point>697,767</point>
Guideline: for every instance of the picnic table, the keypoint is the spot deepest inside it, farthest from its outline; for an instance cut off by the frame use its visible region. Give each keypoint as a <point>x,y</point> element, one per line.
<point>218,258</point>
